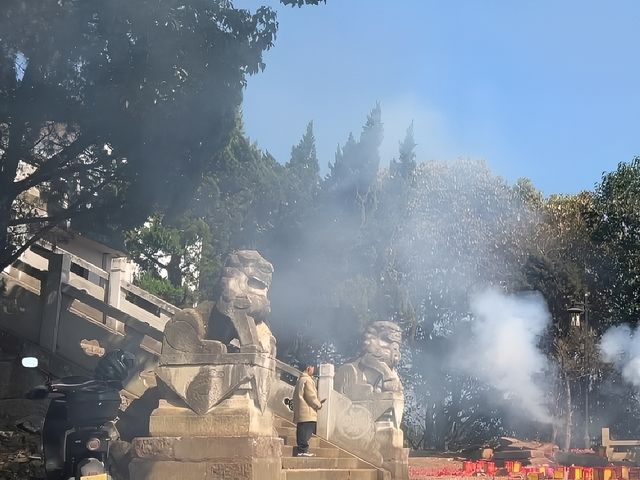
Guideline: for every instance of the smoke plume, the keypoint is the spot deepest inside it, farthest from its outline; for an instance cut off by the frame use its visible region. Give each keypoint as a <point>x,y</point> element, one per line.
<point>620,345</point>
<point>503,351</point>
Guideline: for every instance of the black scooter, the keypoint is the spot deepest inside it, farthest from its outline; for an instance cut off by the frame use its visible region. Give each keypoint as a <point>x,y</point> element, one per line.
<point>79,424</point>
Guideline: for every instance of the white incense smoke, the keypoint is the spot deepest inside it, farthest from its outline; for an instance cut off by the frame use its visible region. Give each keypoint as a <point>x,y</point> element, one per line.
<point>621,346</point>
<point>503,351</point>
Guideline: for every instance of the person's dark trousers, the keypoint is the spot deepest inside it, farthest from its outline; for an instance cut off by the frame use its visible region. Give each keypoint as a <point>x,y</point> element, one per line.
<point>304,430</point>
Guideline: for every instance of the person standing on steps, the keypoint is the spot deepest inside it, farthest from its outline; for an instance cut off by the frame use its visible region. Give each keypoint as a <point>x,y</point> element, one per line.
<point>305,410</point>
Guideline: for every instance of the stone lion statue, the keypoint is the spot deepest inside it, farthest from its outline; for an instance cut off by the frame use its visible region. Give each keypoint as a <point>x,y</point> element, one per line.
<point>236,320</point>
<point>243,303</point>
<point>375,371</point>
<point>221,346</point>
<point>372,421</point>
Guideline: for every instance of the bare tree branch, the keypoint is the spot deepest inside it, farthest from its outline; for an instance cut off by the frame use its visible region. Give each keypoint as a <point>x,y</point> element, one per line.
<point>53,167</point>
<point>67,215</point>
<point>9,259</point>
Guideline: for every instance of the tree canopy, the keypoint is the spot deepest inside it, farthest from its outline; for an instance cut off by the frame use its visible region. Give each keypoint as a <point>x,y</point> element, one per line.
<point>115,108</point>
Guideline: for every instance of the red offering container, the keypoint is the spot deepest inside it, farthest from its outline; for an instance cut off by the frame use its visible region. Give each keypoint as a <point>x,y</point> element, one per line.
<point>469,468</point>
<point>575,473</point>
<point>558,473</point>
<point>621,473</point>
<point>517,467</point>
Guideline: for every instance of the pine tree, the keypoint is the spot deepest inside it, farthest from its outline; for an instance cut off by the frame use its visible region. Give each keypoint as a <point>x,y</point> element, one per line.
<point>406,164</point>
<point>301,185</point>
<point>303,164</point>
<point>356,165</point>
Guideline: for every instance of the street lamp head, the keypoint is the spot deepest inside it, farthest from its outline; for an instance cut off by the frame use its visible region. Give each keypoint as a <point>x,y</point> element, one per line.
<point>575,311</point>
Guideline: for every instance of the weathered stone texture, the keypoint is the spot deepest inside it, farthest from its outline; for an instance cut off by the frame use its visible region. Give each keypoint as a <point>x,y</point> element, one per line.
<point>221,469</point>
<point>216,369</point>
<point>370,426</point>
<point>206,448</point>
<point>171,421</point>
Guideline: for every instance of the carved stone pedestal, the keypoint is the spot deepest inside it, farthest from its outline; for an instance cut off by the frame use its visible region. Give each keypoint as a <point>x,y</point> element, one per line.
<point>235,441</point>
<point>215,371</point>
<point>234,417</point>
<point>200,458</point>
<point>396,457</point>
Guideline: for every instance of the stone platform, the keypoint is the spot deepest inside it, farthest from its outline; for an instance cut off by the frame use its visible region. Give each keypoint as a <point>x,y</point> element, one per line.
<point>235,441</point>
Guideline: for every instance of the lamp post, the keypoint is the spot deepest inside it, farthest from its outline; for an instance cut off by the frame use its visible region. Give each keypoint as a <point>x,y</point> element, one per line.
<point>578,321</point>
<point>587,359</point>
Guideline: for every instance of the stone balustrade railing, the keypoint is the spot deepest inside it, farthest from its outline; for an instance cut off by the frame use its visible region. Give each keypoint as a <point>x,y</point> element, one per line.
<point>62,312</point>
<point>71,310</point>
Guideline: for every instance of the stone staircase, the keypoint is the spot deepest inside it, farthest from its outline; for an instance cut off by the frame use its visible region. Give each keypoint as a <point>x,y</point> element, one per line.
<point>89,316</point>
<point>330,462</point>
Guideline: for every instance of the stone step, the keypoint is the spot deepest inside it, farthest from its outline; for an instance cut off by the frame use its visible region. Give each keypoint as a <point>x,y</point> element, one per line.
<point>321,462</point>
<point>313,441</point>
<point>282,422</point>
<point>289,451</point>
<point>330,474</point>
<point>286,430</point>
<point>289,434</point>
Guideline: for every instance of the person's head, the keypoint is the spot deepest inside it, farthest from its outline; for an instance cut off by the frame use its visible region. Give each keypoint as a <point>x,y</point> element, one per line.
<point>310,370</point>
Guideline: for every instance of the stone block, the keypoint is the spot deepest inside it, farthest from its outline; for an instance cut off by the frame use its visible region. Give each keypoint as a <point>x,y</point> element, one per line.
<point>319,462</point>
<point>206,448</point>
<point>222,469</point>
<point>331,474</point>
<point>230,420</point>
<point>158,448</point>
<point>166,470</point>
<point>399,469</point>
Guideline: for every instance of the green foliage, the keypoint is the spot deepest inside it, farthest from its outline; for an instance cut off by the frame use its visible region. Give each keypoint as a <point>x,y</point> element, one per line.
<point>171,252</point>
<point>355,168</point>
<point>236,206</point>
<point>615,224</point>
<point>406,164</point>
<point>528,194</point>
<point>303,166</point>
<point>114,109</point>
<point>300,3</point>
<point>161,287</point>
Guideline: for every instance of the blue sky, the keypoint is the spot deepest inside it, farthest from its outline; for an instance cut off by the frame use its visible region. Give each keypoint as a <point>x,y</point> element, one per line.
<point>537,88</point>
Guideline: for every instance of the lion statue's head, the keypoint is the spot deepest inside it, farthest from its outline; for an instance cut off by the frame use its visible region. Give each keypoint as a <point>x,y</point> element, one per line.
<point>382,340</point>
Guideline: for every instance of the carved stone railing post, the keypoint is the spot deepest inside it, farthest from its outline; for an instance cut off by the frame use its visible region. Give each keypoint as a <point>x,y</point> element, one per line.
<point>51,294</point>
<point>116,276</point>
<point>325,387</point>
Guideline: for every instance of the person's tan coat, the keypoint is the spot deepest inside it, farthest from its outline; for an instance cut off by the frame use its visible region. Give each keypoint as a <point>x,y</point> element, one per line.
<point>305,400</point>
